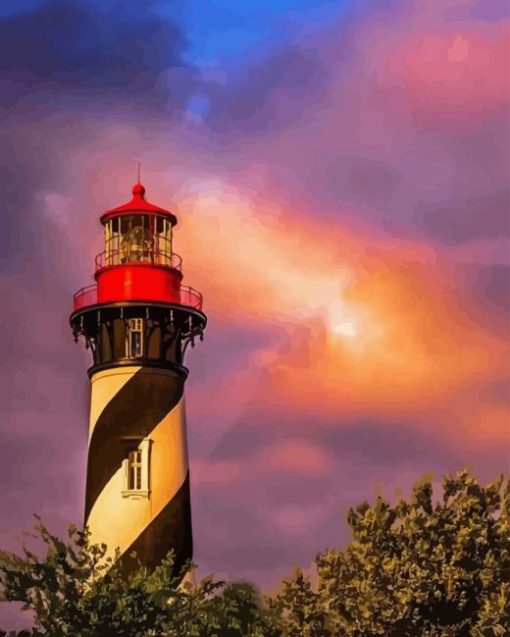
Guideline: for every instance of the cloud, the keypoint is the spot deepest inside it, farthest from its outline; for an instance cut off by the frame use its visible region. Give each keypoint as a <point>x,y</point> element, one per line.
<point>270,94</point>
<point>448,74</point>
<point>292,457</point>
<point>64,51</point>
<point>458,221</point>
<point>484,294</point>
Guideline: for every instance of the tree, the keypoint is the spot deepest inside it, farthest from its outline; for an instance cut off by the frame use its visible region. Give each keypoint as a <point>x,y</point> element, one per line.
<point>418,569</point>
<point>301,608</point>
<point>74,591</point>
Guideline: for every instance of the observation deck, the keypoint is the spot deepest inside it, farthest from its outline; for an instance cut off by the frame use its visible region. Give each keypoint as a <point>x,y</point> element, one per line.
<point>187,296</point>
<point>139,274</point>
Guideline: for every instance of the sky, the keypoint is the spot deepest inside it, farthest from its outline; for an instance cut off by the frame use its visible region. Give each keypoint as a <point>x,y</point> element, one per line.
<point>340,174</point>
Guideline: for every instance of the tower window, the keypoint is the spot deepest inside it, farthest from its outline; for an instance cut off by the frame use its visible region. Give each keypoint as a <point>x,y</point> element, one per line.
<point>134,338</point>
<point>136,469</point>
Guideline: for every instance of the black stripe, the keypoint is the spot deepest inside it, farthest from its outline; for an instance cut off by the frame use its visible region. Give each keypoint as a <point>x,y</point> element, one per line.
<point>170,529</point>
<point>133,412</point>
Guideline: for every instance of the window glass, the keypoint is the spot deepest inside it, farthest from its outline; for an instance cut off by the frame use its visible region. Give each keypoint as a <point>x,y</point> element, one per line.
<point>135,470</point>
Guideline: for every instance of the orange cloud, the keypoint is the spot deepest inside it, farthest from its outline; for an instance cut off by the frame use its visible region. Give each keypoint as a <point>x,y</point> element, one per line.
<point>373,328</point>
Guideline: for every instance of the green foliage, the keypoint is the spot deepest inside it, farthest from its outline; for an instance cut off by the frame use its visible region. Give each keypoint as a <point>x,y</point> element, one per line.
<point>416,569</point>
<point>74,591</point>
<point>301,608</point>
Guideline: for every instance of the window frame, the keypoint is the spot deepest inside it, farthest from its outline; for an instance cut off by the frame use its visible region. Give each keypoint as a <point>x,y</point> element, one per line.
<point>134,488</point>
<point>135,326</point>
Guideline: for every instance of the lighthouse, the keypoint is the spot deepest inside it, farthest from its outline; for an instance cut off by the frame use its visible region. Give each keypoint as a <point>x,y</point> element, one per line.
<point>138,319</point>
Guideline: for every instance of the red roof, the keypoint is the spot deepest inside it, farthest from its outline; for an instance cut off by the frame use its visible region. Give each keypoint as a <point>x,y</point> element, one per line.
<point>138,204</point>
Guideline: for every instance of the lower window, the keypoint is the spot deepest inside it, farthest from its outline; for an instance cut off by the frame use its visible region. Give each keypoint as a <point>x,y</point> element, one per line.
<point>136,470</point>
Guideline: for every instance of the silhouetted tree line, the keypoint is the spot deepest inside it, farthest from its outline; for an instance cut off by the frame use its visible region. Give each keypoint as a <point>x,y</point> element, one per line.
<point>420,568</point>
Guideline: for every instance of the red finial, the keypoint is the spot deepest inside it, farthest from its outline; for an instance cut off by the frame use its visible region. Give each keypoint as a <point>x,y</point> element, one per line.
<point>138,204</point>
<point>138,190</point>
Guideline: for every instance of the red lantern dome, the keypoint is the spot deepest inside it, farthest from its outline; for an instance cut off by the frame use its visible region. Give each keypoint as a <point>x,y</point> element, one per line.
<point>138,204</point>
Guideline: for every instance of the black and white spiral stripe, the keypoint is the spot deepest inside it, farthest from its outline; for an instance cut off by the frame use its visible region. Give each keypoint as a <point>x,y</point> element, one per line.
<point>139,403</point>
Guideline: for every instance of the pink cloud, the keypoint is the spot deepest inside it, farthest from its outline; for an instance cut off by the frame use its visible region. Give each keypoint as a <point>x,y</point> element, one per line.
<point>206,472</point>
<point>292,457</point>
<point>459,73</point>
<point>296,456</point>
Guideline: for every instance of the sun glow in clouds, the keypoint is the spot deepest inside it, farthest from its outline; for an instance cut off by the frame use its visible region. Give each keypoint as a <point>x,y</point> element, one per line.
<point>340,321</point>
<point>347,329</point>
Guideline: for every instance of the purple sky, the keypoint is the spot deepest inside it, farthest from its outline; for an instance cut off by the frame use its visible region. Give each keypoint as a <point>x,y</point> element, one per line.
<point>340,174</point>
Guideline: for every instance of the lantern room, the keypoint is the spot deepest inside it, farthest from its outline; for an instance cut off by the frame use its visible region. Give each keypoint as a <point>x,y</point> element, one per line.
<point>138,262</point>
<point>137,232</point>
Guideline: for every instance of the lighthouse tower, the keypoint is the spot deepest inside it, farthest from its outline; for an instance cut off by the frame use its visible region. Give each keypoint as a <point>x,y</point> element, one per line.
<point>138,319</point>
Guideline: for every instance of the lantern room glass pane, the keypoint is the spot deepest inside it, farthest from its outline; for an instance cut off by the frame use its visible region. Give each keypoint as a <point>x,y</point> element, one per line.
<point>136,239</point>
<point>110,241</point>
<point>164,246</point>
